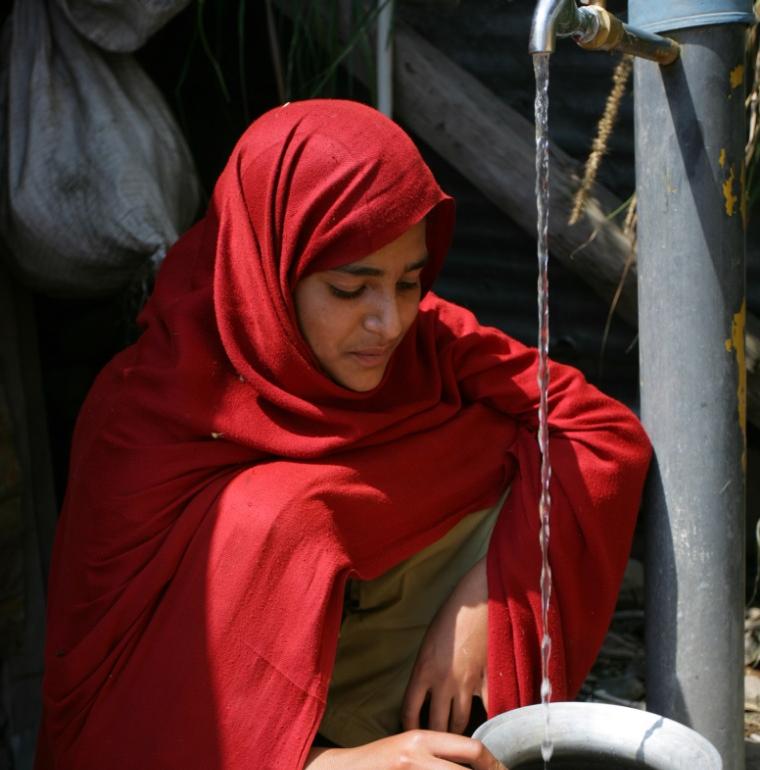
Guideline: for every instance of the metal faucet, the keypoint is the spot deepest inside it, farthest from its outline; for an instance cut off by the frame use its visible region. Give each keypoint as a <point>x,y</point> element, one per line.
<point>553,19</point>
<point>595,28</point>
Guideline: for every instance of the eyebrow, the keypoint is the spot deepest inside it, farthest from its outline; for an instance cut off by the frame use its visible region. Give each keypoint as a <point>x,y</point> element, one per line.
<point>354,269</point>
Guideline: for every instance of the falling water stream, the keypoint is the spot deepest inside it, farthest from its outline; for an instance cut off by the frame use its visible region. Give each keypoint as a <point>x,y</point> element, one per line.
<point>541,67</point>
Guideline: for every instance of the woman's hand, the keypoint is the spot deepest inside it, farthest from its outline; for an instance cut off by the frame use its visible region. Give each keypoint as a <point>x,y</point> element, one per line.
<point>451,664</point>
<point>413,750</point>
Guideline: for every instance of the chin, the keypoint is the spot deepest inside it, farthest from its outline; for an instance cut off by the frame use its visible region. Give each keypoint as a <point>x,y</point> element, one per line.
<point>360,382</point>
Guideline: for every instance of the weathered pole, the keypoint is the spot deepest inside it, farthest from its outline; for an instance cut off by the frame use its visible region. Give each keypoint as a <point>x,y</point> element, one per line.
<point>690,135</point>
<point>384,56</point>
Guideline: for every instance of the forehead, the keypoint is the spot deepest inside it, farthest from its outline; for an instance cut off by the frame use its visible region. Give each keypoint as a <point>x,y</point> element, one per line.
<point>407,252</point>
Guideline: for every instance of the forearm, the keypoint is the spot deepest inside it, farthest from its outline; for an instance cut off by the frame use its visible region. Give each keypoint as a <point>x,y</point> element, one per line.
<point>474,583</point>
<point>323,759</point>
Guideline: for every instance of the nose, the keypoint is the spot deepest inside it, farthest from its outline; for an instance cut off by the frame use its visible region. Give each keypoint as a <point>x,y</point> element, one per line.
<point>384,318</point>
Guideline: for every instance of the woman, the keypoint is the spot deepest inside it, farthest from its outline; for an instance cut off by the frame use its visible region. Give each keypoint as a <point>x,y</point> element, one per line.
<point>302,415</point>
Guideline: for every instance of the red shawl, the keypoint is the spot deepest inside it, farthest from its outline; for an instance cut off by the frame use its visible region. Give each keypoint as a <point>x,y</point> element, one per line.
<point>222,489</point>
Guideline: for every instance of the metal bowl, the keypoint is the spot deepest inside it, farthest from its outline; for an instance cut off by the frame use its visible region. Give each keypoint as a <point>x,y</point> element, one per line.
<point>591,735</point>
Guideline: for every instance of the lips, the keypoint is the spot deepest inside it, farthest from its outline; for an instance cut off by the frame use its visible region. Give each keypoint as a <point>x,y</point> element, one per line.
<point>371,357</point>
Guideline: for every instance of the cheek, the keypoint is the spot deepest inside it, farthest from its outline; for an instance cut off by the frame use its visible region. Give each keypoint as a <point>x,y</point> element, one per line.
<point>409,311</point>
<point>325,325</point>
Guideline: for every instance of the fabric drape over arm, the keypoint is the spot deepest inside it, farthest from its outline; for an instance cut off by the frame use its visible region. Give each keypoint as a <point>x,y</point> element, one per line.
<point>599,456</point>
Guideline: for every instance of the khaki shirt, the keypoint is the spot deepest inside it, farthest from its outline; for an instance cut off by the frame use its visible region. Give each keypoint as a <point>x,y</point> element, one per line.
<point>383,627</point>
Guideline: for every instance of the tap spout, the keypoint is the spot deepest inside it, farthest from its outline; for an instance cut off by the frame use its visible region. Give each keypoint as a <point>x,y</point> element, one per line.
<point>594,28</point>
<point>553,19</point>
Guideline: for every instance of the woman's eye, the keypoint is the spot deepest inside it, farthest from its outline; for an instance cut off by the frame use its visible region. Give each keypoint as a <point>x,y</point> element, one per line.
<point>343,294</point>
<point>408,285</point>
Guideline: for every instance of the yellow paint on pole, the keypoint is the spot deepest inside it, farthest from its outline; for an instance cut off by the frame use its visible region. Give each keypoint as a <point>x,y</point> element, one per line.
<point>728,192</point>
<point>737,76</point>
<point>722,157</point>
<point>736,344</point>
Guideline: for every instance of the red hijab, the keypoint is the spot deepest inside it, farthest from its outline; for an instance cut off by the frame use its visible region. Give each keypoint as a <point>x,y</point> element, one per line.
<point>222,488</point>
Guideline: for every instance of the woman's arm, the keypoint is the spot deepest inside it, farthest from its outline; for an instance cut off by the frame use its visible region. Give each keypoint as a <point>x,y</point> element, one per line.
<point>451,664</point>
<point>599,457</point>
<point>451,668</point>
<point>412,750</point>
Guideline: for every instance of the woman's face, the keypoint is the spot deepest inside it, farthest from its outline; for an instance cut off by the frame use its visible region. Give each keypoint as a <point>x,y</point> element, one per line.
<point>354,316</point>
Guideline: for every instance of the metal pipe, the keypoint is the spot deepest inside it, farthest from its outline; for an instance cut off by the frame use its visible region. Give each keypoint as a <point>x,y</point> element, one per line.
<point>595,28</point>
<point>690,132</point>
<point>611,34</point>
<point>384,57</point>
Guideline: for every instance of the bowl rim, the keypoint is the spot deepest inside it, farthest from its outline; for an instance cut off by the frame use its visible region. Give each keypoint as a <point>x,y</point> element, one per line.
<point>598,730</point>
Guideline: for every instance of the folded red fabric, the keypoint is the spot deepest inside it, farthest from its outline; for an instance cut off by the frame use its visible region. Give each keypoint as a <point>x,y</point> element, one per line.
<point>222,488</point>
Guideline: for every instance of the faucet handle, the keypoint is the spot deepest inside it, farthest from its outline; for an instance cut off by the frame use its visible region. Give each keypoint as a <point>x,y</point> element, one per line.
<point>605,33</point>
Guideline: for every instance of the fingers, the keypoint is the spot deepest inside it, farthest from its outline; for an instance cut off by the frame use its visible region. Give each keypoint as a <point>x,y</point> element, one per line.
<point>461,706</point>
<point>458,749</point>
<point>479,757</point>
<point>440,711</point>
<point>414,749</point>
<point>485,760</point>
<point>448,712</point>
<point>484,692</point>
<point>414,697</point>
